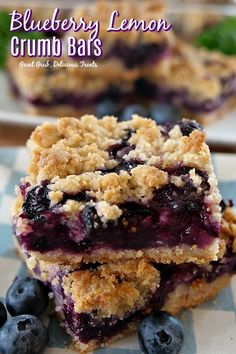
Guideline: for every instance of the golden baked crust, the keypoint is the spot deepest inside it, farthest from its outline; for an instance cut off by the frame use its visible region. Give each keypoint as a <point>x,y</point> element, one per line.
<point>164,255</point>
<point>191,295</point>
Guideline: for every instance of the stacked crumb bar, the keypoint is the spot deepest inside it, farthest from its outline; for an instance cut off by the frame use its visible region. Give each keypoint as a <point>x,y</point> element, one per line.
<point>121,219</point>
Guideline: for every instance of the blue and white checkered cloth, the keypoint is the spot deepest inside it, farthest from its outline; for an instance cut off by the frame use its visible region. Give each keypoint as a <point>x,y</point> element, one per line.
<point>209,329</point>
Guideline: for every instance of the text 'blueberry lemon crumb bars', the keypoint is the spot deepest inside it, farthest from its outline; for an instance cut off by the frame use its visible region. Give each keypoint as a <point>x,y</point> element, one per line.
<point>103,190</point>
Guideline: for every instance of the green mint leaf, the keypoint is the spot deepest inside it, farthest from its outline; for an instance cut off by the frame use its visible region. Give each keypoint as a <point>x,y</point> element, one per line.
<point>221,37</point>
<point>6,35</point>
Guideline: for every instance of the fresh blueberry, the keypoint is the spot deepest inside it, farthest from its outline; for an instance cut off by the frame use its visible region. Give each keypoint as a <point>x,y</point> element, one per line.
<point>160,333</point>
<point>133,109</point>
<point>23,335</point>
<point>106,108</point>
<point>3,314</point>
<point>36,201</point>
<point>163,113</point>
<point>223,205</point>
<point>26,296</point>
<point>118,150</point>
<point>88,215</point>
<point>187,126</point>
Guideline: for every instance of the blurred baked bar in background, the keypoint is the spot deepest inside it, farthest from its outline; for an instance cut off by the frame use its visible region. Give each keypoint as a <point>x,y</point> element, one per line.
<point>201,83</point>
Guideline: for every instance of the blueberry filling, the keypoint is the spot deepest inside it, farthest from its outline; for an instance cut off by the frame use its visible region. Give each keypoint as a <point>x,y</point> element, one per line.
<point>186,127</point>
<point>90,218</point>
<point>122,165</point>
<point>118,152</point>
<point>141,53</point>
<point>140,226</point>
<point>87,327</point>
<point>79,197</point>
<point>78,100</point>
<point>145,88</point>
<point>36,201</point>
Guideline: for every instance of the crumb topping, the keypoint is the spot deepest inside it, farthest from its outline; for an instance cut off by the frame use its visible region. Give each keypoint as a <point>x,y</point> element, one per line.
<point>80,155</point>
<point>113,188</point>
<point>197,72</point>
<point>75,146</point>
<point>126,287</point>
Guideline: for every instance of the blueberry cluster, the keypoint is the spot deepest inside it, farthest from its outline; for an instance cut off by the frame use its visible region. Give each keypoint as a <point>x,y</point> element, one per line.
<point>160,333</point>
<point>24,333</point>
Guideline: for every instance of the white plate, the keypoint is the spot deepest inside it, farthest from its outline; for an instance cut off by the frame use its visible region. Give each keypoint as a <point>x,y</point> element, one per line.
<point>11,111</point>
<point>223,131</point>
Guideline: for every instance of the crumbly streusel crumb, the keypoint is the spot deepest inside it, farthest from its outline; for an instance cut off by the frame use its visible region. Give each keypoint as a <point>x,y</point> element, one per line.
<point>74,153</point>
<point>124,286</point>
<point>108,212</point>
<point>81,145</point>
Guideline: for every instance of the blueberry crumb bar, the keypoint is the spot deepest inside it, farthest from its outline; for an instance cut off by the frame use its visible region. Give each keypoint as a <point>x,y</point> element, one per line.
<point>99,303</point>
<point>106,190</point>
<point>201,83</point>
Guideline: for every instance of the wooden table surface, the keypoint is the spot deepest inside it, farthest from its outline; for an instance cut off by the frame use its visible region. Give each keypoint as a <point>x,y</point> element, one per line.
<point>11,135</point>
